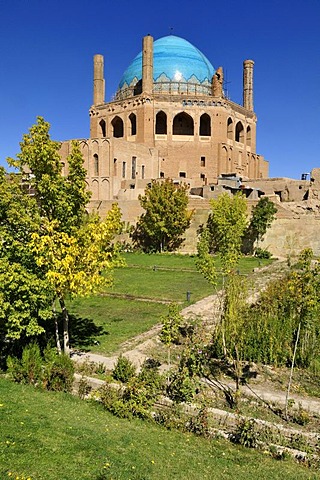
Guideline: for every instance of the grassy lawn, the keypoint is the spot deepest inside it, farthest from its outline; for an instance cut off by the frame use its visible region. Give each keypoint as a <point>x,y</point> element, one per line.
<point>49,436</point>
<point>112,320</point>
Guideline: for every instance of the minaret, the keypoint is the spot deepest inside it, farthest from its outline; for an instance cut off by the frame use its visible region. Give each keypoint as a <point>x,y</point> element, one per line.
<point>217,83</point>
<point>248,84</point>
<point>98,80</point>
<point>147,64</point>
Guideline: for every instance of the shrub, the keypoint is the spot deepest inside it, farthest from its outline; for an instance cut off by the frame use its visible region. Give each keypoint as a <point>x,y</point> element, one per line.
<point>151,378</point>
<point>60,375</point>
<point>245,434</point>
<point>182,387</point>
<point>262,253</point>
<point>123,370</point>
<point>50,371</point>
<point>29,368</point>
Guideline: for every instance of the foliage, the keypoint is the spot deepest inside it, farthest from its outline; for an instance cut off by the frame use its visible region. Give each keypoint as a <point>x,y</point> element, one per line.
<point>25,302</point>
<point>166,217</point>
<point>262,216</point>
<point>171,323</point>
<point>262,253</point>
<point>69,248</point>
<point>123,370</point>
<point>49,371</point>
<point>182,387</point>
<point>29,368</point>
<point>60,198</point>
<point>205,262</point>
<point>272,323</point>
<point>134,400</point>
<point>245,433</point>
<point>19,218</point>
<point>58,371</point>
<point>226,225</point>
<point>150,376</point>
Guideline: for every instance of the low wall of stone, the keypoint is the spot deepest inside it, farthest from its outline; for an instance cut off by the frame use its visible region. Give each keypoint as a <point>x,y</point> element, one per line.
<point>288,236</point>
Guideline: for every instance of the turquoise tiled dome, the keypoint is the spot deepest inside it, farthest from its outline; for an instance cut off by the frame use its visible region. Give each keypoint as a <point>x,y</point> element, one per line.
<point>175,60</point>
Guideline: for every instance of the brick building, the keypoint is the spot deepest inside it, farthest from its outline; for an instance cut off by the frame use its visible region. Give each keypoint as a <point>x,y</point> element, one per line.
<point>169,118</point>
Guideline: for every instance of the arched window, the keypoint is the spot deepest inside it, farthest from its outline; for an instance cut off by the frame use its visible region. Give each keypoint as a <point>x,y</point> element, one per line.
<point>230,128</point>
<point>96,165</point>
<point>133,122</point>
<point>102,124</point>
<point>117,124</point>
<point>248,136</point>
<point>183,124</point>
<point>161,123</point>
<point>239,137</point>
<point>205,125</point>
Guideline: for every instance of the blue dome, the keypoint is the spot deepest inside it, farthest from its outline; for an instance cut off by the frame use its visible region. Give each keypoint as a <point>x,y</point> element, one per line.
<point>174,60</point>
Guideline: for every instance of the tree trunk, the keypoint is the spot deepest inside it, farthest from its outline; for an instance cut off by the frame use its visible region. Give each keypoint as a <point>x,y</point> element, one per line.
<point>291,372</point>
<point>65,316</point>
<point>56,327</point>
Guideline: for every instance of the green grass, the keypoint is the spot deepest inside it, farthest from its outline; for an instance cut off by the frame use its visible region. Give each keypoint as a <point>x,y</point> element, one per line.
<point>115,320</point>
<point>50,436</point>
<point>118,319</point>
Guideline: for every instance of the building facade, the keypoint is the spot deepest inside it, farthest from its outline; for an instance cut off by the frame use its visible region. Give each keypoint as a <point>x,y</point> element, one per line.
<point>169,118</point>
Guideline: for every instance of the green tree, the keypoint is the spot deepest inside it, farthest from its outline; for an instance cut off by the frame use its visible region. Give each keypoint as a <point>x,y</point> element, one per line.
<point>170,331</point>
<point>262,216</point>
<point>166,216</point>
<point>226,226</point>
<point>67,248</point>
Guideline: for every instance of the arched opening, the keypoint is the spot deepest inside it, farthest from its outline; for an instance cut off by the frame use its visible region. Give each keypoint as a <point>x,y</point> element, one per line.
<point>230,128</point>
<point>133,122</point>
<point>95,165</point>
<point>183,124</point>
<point>239,137</point>
<point>205,125</point>
<point>248,136</point>
<point>117,124</point>
<point>102,124</point>
<point>224,161</point>
<point>161,123</point>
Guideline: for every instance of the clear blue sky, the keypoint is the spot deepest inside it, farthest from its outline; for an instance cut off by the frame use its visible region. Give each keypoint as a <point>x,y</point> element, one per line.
<point>47,47</point>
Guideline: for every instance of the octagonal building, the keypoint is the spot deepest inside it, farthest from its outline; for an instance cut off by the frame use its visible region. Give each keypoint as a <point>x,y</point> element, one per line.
<point>169,118</point>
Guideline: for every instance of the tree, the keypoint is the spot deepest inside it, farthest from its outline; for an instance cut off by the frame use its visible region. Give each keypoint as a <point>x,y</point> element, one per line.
<point>223,235</point>
<point>262,216</point>
<point>68,249</point>
<point>73,263</point>
<point>166,216</point>
<point>226,226</point>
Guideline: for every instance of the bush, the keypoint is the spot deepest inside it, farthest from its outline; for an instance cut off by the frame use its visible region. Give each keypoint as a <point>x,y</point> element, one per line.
<point>151,378</point>
<point>60,375</point>
<point>50,371</point>
<point>29,368</point>
<point>182,387</point>
<point>246,434</point>
<point>262,253</point>
<point>123,370</point>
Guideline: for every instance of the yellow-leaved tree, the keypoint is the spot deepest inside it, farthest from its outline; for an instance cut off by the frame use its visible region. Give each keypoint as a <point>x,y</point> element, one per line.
<point>73,262</point>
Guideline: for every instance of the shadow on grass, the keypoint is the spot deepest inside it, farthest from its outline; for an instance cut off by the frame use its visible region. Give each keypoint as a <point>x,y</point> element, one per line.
<point>84,332</point>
